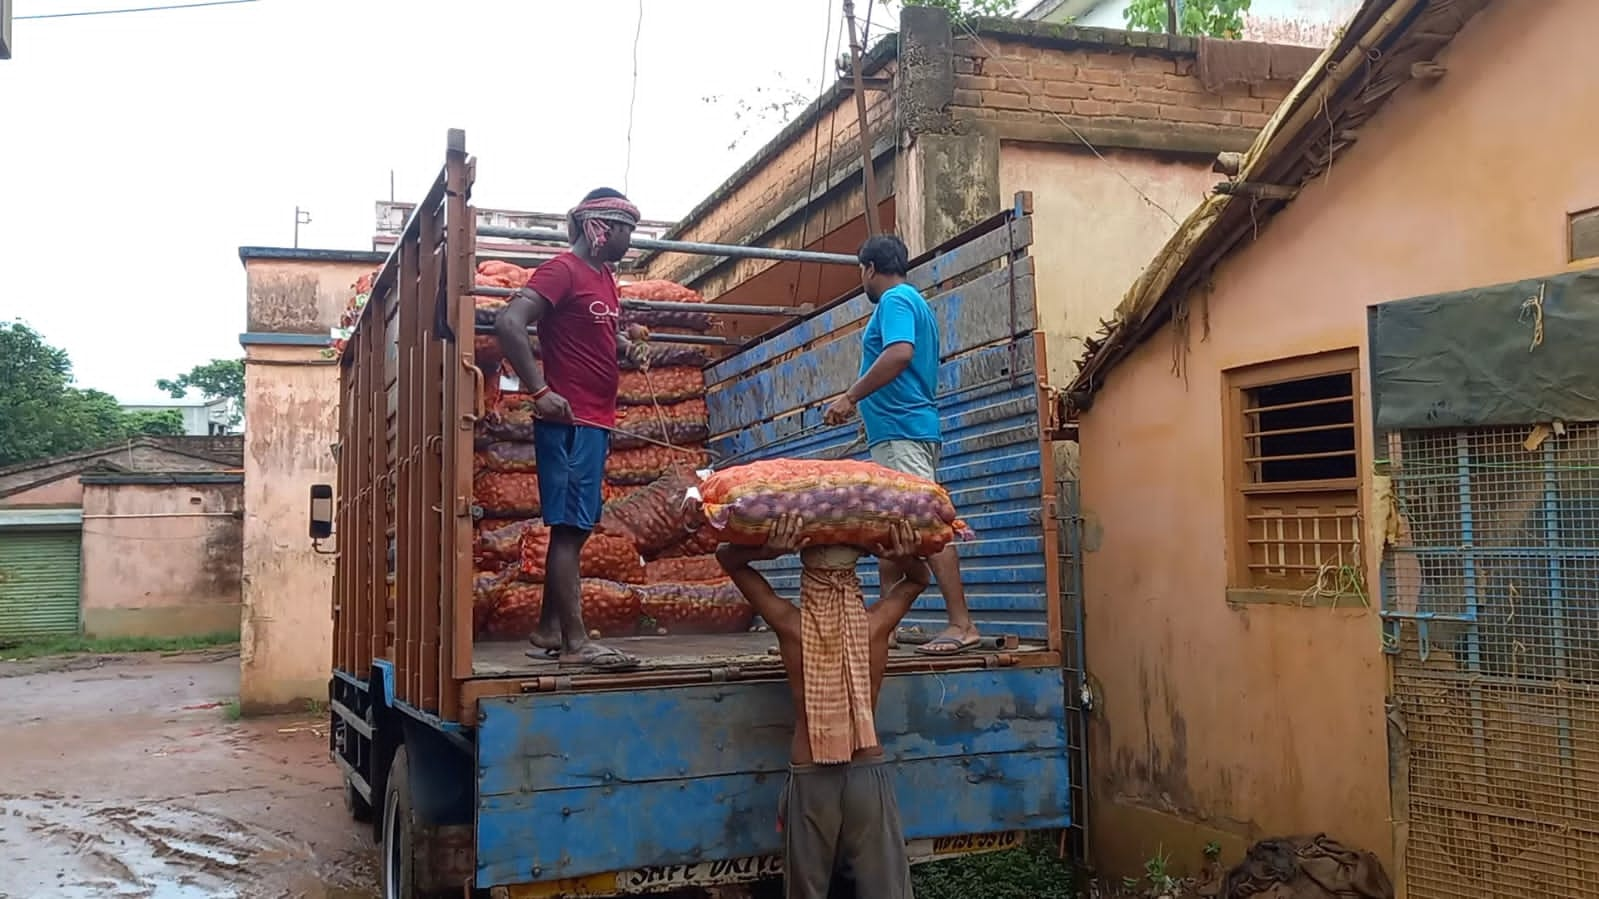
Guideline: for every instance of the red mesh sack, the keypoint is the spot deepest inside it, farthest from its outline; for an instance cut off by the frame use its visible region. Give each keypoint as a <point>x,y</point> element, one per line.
<point>661,385</point>
<point>659,289</point>
<point>503,545</point>
<point>509,417</point>
<point>604,556</point>
<point>842,503</point>
<point>617,492</point>
<point>494,273</point>
<point>656,516</point>
<point>515,612</point>
<point>702,542</point>
<point>679,424</point>
<point>689,569</point>
<point>487,590</point>
<point>508,456</point>
<point>610,608</point>
<point>647,463</point>
<point>670,355</point>
<point>504,494</point>
<point>713,608</point>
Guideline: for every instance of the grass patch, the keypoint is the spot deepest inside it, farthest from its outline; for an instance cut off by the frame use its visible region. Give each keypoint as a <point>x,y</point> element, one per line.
<point>231,709</point>
<point>59,646</point>
<point>315,707</point>
<point>1031,871</point>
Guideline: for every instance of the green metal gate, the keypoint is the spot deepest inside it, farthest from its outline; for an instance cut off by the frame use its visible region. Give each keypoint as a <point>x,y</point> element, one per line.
<point>38,583</point>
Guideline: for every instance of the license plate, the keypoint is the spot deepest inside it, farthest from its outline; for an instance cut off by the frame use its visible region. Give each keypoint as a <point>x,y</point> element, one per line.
<point>663,878</point>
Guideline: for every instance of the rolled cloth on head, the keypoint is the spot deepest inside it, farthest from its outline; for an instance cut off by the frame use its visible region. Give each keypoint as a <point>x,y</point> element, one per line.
<point>588,218</point>
<point>836,651</point>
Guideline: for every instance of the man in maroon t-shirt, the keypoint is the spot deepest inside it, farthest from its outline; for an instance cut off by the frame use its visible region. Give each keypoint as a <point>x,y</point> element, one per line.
<point>574,301</point>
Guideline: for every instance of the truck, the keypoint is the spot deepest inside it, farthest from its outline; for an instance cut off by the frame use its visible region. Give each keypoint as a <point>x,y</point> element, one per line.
<point>482,771</point>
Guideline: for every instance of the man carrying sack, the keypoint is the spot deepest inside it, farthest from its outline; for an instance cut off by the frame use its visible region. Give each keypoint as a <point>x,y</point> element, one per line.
<point>838,809</point>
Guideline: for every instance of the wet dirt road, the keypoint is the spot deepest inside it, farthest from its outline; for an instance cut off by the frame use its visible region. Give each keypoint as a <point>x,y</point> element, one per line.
<point>122,777</point>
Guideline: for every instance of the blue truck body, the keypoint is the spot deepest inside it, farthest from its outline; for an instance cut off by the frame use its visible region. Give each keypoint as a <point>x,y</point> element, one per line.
<point>566,784</point>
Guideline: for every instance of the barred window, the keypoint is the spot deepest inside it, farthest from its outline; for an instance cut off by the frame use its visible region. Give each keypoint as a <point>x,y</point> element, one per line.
<point>1295,475</point>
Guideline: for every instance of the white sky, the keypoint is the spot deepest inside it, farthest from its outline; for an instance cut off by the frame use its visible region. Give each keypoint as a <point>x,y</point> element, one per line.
<point>142,150</point>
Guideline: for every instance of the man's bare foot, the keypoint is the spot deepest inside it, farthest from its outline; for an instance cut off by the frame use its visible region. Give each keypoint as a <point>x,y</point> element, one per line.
<point>548,641</point>
<point>603,658</point>
<point>953,641</point>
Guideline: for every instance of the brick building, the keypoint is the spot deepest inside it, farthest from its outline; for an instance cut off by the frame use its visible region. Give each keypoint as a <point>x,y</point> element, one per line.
<point>1114,132</point>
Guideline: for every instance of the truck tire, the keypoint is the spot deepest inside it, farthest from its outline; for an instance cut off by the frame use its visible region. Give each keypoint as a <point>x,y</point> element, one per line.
<point>358,807</point>
<point>402,835</point>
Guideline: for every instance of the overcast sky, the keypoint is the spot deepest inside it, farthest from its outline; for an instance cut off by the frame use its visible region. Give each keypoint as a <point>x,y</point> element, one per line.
<point>142,150</point>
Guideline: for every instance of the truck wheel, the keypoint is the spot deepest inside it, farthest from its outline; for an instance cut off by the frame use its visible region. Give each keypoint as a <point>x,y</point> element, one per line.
<point>402,834</point>
<point>358,807</point>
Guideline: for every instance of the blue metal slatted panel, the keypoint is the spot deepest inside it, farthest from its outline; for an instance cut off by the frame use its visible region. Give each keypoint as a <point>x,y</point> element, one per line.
<point>992,463</point>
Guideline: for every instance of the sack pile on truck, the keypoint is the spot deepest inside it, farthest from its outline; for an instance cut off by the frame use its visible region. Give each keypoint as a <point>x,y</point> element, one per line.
<point>339,337</point>
<point>627,588</point>
<point>841,503</point>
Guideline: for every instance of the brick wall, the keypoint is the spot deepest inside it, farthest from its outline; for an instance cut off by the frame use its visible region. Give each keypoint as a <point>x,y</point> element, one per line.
<point>1101,77</point>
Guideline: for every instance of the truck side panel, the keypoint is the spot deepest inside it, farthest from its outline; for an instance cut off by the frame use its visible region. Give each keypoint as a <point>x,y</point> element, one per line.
<point>767,401</point>
<point>578,784</point>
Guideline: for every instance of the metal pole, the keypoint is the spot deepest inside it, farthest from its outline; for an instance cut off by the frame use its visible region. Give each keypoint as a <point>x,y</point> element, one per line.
<point>873,226</point>
<point>670,306</point>
<point>696,339</point>
<point>731,251</point>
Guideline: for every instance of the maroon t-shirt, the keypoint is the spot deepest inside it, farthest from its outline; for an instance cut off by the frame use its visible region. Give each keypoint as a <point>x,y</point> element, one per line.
<point>578,336</point>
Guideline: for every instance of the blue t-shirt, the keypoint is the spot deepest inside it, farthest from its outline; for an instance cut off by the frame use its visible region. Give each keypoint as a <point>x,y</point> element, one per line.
<point>902,409</point>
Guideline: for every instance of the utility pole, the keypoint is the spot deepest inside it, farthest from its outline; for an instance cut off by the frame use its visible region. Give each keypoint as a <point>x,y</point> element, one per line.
<point>301,217</point>
<point>873,226</point>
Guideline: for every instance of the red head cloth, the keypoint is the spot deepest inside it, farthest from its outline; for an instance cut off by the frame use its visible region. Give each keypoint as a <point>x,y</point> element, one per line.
<point>590,216</point>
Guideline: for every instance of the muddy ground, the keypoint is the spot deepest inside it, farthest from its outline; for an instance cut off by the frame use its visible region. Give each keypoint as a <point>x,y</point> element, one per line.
<point>123,777</point>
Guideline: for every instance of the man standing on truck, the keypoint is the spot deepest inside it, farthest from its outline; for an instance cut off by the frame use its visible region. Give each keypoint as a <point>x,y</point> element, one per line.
<point>838,810</point>
<point>574,301</point>
<point>895,394</point>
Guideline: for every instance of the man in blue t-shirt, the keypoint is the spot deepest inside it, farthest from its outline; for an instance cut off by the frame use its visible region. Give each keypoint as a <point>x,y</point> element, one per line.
<point>895,396</point>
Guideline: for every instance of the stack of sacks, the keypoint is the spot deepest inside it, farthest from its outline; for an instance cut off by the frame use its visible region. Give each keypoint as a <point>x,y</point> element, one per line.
<point>645,515</point>
<point>360,292</point>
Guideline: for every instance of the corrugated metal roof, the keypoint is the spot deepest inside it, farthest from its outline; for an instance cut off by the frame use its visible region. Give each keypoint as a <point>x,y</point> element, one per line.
<point>41,518</point>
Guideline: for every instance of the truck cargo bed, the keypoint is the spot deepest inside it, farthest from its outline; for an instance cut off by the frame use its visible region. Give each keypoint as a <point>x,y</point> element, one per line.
<point>500,658</point>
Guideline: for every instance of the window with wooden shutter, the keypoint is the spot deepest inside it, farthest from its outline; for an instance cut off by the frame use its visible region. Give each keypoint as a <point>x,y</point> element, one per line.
<point>1294,473</point>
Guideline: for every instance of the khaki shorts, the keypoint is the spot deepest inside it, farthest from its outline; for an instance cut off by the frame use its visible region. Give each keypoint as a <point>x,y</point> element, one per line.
<point>910,456</point>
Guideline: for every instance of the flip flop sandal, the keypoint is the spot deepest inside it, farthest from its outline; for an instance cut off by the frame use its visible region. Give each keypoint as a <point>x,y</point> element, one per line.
<point>960,645</point>
<point>542,655</point>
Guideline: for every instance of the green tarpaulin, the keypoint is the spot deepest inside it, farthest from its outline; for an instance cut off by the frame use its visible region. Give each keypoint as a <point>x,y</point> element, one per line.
<point>1509,354</point>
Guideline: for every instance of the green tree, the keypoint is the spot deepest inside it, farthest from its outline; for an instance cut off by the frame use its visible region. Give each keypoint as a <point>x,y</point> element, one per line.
<point>165,423</point>
<point>1212,18</point>
<point>42,414</point>
<point>217,379</point>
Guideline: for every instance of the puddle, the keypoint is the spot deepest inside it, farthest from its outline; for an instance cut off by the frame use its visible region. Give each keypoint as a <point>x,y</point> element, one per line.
<point>73,848</point>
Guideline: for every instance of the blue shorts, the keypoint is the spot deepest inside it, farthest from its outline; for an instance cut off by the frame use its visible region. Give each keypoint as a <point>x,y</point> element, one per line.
<point>571,463</point>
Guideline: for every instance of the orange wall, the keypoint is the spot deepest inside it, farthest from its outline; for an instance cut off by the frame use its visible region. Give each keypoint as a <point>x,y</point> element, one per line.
<point>161,560</point>
<point>67,491</point>
<point>1238,723</point>
<point>1092,232</point>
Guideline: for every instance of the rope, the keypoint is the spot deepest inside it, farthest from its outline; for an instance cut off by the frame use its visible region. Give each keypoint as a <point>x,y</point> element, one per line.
<point>1534,304</point>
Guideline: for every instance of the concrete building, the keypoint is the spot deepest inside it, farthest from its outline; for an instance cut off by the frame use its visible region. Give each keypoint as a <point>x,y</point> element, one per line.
<point>291,400</point>
<point>138,539</point>
<point>1339,580</point>
<point>201,417</point>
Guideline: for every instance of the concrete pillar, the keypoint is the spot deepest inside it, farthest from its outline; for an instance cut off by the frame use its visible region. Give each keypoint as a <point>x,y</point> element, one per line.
<point>948,170</point>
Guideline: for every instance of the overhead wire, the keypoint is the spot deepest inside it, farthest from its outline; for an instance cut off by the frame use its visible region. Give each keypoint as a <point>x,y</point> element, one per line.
<point>632,103</point>
<point>133,9</point>
<point>816,137</point>
<point>1022,87</point>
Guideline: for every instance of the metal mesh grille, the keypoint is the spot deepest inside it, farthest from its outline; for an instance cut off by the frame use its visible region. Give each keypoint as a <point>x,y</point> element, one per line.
<point>1491,613</point>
